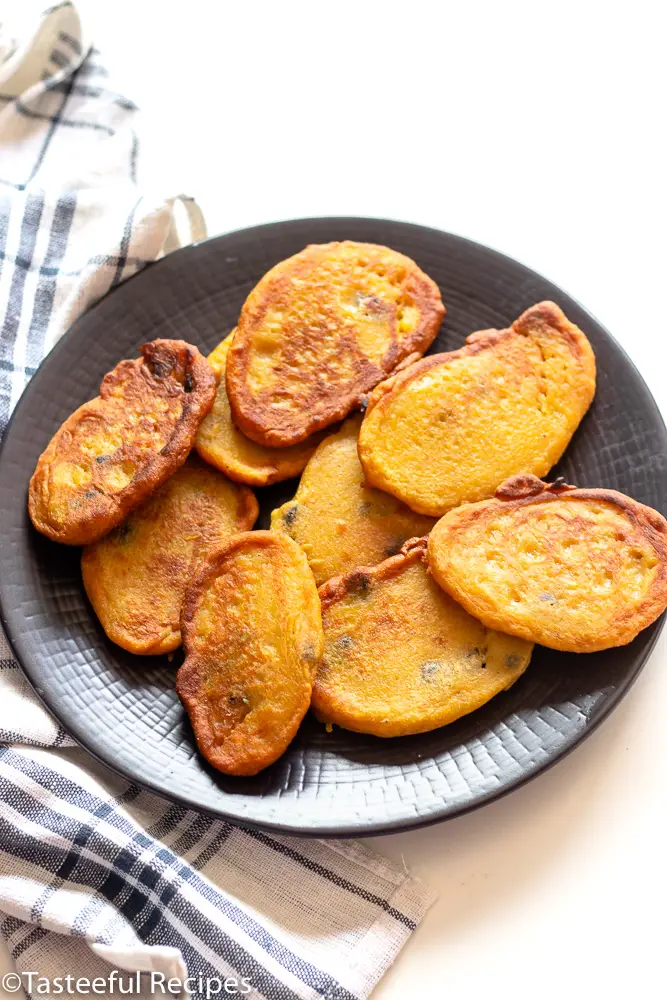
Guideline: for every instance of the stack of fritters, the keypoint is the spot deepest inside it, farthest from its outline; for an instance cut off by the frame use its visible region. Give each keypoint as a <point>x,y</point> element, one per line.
<point>408,632</point>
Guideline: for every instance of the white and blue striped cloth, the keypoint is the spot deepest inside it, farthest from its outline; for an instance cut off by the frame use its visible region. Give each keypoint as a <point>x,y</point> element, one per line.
<point>94,873</point>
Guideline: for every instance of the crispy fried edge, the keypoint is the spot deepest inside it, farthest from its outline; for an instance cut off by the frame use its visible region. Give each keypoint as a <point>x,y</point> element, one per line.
<point>251,419</point>
<point>115,507</point>
<point>253,475</point>
<point>187,678</point>
<point>334,590</point>
<point>548,313</point>
<point>527,490</point>
<point>247,512</point>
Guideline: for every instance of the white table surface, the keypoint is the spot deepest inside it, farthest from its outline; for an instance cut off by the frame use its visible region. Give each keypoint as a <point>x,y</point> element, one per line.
<point>536,129</point>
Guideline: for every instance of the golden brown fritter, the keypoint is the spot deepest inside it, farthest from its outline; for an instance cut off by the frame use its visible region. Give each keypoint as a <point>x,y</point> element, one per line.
<point>136,577</point>
<point>577,570</point>
<point>115,450</point>
<point>400,656</point>
<point>453,426</point>
<point>252,632</point>
<point>338,522</point>
<point>319,331</point>
<point>224,446</point>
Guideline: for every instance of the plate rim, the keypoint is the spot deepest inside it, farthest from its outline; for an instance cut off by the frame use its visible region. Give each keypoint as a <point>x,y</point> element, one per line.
<point>370,828</point>
<point>339,831</point>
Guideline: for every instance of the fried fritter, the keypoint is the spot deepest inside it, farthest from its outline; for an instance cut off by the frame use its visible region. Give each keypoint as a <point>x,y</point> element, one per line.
<point>252,632</point>
<point>338,522</point>
<point>453,426</point>
<point>224,446</point>
<point>136,577</point>
<point>400,656</point>
<point>576,570</point>
<point>115,450</point>
<point>319,331</point>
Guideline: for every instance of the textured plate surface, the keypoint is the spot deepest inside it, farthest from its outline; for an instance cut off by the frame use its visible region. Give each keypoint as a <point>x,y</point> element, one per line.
<point>124,708</point>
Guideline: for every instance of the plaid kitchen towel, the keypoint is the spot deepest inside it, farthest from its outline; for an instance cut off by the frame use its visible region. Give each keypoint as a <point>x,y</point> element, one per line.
<point>97,878</point>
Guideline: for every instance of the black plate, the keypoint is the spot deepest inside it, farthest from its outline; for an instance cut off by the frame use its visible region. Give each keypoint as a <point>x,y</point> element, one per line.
<point>124,709</point>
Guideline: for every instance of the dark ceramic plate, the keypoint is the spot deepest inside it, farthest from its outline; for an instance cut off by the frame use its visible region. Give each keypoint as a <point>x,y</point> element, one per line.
<point>124,709</point>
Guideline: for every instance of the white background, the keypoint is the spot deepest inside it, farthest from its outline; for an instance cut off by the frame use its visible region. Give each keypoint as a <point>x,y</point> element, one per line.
<point>537,129</point>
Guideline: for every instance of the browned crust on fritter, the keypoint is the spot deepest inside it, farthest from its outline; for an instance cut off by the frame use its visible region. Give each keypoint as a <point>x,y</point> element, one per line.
<point>338,587</point>
<point>134,633</point>
<point>520,491</point>
<point>545,313</point>
<point>247,511</point>
<point>285,465</point>
<point>525,485</point>
<point>276,430</point>
<point>188,678</point>
<point>527,490</point>
<point>167,367</point>
<point>212,568</point>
